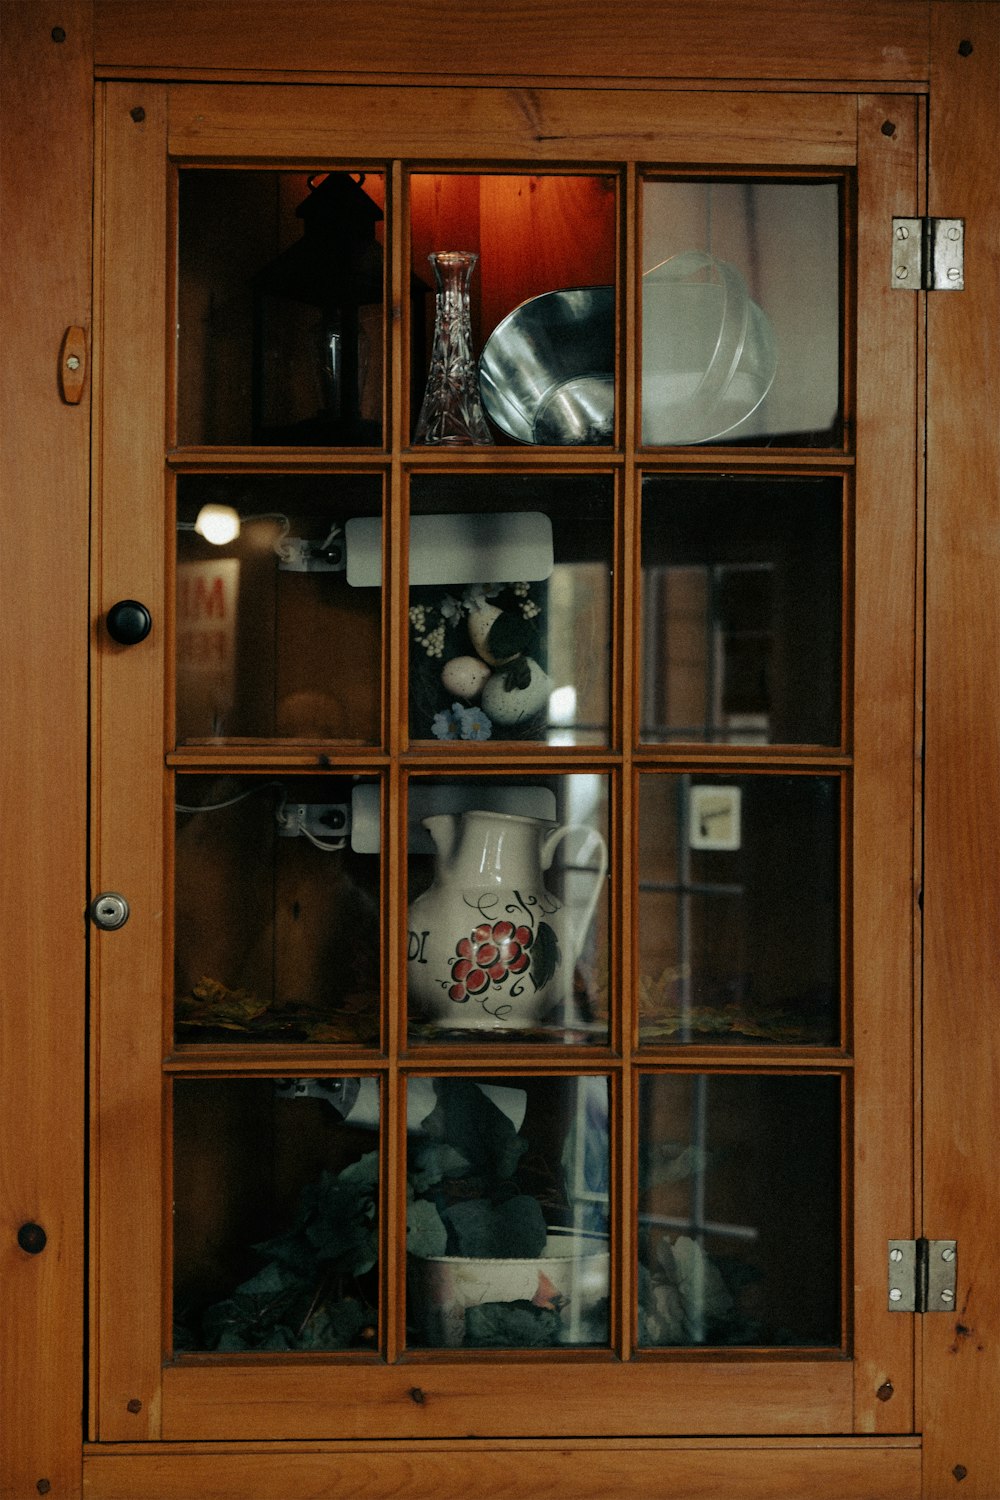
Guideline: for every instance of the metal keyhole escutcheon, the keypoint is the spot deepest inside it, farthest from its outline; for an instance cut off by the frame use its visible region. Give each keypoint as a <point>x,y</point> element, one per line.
<point>109,911</point>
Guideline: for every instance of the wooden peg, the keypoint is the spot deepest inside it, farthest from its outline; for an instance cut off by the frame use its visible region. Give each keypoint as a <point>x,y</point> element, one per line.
<point>73,365</point>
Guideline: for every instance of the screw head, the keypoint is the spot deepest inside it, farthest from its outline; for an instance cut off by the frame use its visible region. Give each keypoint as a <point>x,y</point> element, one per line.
<point>902,233</point>
<point>947,1295</point>
<point>895,1295</point>
<point>947,1253</point>
<point>896,1254</point>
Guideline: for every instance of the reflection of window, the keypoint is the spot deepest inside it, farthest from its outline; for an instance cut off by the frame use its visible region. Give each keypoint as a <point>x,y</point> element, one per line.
<point>579,607</point>
<point>693,900</point>
<point>701,1297</point>
<point>708,648</point>
<point>738,1236</point>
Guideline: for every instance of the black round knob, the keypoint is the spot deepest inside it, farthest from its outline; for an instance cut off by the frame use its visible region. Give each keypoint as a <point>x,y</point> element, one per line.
<point>129,622</point>
<point>32,1238</point>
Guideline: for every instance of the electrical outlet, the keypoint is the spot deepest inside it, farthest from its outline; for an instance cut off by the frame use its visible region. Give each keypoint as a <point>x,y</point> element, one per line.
<point>298,555</point>
<point>326,821</point>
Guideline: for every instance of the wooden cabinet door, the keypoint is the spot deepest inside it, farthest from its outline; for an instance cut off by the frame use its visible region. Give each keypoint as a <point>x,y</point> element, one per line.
<point>715,580</point>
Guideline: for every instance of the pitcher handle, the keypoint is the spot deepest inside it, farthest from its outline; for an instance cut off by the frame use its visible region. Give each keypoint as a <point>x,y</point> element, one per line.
<point>581,911</point>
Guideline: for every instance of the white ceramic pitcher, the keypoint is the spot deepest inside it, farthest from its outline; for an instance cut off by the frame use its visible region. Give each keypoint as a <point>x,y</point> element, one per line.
<point>488,946</point>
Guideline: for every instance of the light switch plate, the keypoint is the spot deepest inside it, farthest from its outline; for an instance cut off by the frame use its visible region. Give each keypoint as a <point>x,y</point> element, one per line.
<point>714,820</point>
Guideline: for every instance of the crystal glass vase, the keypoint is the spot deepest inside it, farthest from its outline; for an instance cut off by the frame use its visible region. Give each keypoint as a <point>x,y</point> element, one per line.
<point>452,412</point>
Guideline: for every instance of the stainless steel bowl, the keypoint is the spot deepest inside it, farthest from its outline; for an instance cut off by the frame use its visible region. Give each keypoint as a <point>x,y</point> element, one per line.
<point>546,374</point>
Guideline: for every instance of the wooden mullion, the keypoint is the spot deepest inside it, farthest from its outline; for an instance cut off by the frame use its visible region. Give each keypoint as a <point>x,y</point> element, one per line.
<point>236,459</point>
<point>395,532</point>
<point>201,758</point>
<point>439,760</point>
<point>624,1015</point>
<point>721,758</point>
<point>395,570</point>
<point>497,459</point>
<point>545,1059</point>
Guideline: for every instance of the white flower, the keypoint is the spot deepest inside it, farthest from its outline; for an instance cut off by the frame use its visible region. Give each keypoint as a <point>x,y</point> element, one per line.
<point>476,595</point>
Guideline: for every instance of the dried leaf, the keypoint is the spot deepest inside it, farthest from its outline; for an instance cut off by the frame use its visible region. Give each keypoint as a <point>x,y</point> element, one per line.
<point>221,1006</point>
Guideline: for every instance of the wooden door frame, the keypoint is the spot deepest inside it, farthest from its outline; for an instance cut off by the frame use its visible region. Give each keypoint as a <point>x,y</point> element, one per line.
<point>953,47</point>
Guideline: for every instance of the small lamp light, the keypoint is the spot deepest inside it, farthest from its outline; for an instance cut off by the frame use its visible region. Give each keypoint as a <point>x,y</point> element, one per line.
<point>218,524</point>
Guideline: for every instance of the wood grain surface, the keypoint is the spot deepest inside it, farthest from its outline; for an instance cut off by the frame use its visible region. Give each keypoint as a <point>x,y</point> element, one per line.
<point>45,175</point>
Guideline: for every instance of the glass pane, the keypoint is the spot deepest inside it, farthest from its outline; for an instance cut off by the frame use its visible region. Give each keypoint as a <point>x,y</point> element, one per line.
<point>741,610</point>
<point>741,313</point>
<point>739,909</point>
<point>508,918</point>
<point>275,1230</point>
<point>280,307</point>
<point>276,915</point>
<point>739,1210</point>
<point>279,630</point>
<point>510,608</point>
<point>507,1219</point>
<point>541,315</point>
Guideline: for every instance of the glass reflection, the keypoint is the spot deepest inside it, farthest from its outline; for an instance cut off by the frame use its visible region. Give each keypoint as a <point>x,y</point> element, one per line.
<point>280,307</point>
<point>276,909</point>
<point>542,304</point>
<point>739,1210</point>
<point>741,610</point>
<point>507,1217</point>
<point>739,909</point>
<point>275,1233</point>
<point>510,608</point>
<point>508,916</point>
<point>279,622</point>
<point>741,312</point>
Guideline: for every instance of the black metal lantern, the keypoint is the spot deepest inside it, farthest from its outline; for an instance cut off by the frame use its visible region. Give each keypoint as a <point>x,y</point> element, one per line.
<point>318,325</point>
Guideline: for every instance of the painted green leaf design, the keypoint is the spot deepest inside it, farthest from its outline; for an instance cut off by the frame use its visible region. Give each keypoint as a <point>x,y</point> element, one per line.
<point>545,955</point>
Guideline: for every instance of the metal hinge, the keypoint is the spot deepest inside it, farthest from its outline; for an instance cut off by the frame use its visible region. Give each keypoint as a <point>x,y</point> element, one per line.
<point>928,255</point>
<point>922,1275</point>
